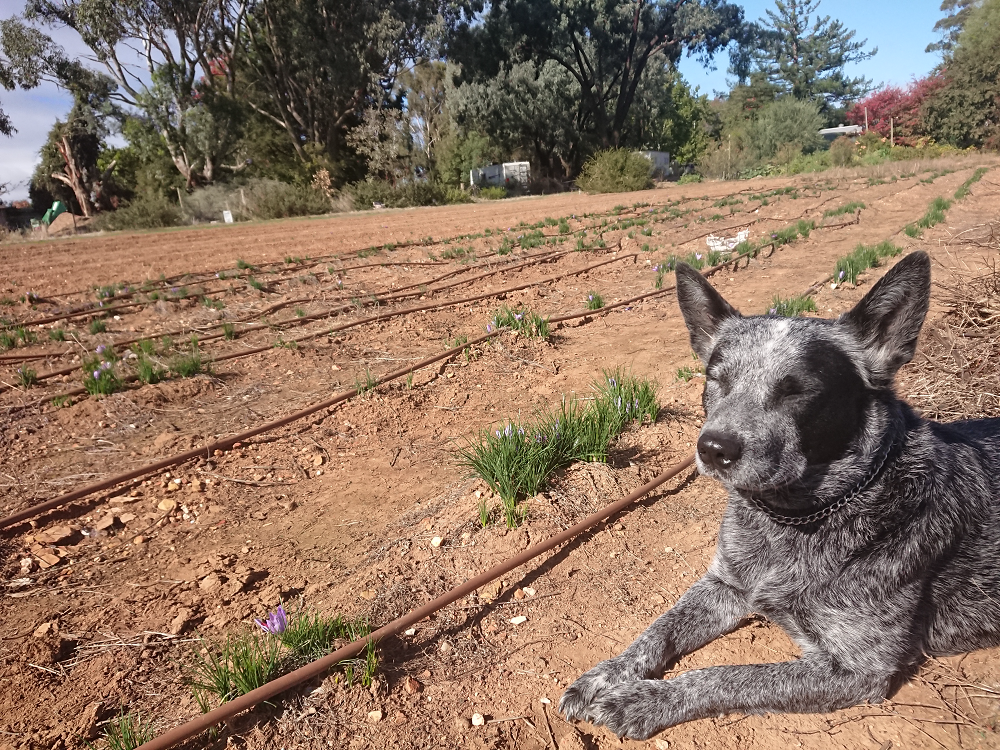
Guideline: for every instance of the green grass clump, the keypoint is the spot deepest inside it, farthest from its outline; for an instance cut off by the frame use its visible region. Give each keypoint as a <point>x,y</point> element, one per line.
<point>792,232</point>
<point>517,459</point>
<point>188,365</point>
<point>563,226</point>
<point>976,177</point>
<point>791,307</point>
<point>493,193</point>
<point>367,384</point>
<point>862,258</point>
<point>61,401</point>
<point>847,208</point>
<point>57,334</point>
<point>148,372</point>
<point>226,669</point>
<point>126,731</point>
<point>97,326</point>
<point>594,300</point>
<point>7,340</point>
<point>310,635</point>
<point>26,377</point>
<point>910,230</point>
<point>615,170</point>
<point>144,347</point>
<point>24,335</point>
<point>259,286</point>
<point>100,378</point>
<point>228,331</point>
<point>243,265</point>
<point>935,213</point>
<point>687,372</point>
<point>522,321</point>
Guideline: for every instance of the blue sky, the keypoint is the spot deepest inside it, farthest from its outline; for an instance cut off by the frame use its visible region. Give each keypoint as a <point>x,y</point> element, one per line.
<point>900,30</point>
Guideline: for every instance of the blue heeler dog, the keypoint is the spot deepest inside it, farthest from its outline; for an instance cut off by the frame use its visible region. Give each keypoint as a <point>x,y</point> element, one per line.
<point>870,535</point>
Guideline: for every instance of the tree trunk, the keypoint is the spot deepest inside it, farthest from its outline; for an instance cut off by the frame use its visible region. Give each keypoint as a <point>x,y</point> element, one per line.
<point>73,176</point>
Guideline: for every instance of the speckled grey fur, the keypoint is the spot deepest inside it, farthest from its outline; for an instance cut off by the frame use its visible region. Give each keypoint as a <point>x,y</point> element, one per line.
<point>907,568</point>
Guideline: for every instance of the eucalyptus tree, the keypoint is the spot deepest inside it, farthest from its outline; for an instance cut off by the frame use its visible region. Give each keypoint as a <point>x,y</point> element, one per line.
<point>173,60</point>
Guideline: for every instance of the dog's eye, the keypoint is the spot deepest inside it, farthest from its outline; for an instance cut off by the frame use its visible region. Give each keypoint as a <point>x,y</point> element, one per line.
<point>789,387</point>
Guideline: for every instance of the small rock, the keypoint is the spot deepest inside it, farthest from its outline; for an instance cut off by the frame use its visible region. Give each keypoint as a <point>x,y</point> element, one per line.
<point>139,540</point>
<point>92,714</point>
<point>44,629</point>
<point>375,716</point>
<point>519,620</point>
<point>317,460</point>
<point>180,621</point>
<point>27,565</point>
<point>55,535</point>
<point>436,541</point>
<point>127,517</point>
<point>544,701</point>
<point>368,595</point>
<point>668,549</point>
<point>445,647</point>
<point>478,720</point>
<point>518,594</point>
<point>657,599</point>
<point>167,505</point>
<point>399,719</point>
<point>619,527</point>
<point>105,522</point>
<point>491,590</point>
<point>173,487</point>
<point>661,744</point>
<point>210,582</point>
<point>412,686</point>
<point>529,591</point>
<point>410,631</point>
<point>47,559</point>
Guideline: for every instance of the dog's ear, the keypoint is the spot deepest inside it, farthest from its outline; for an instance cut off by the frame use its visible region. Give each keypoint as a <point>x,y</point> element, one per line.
<point>887,320</point>
<point>703,309</point>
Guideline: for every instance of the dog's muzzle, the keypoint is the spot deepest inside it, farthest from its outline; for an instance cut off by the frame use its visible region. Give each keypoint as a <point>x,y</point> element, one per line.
<point>719,451</point>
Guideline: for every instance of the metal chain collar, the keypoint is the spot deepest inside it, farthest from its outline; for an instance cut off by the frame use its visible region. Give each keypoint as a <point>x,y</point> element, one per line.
<point>823,513</point>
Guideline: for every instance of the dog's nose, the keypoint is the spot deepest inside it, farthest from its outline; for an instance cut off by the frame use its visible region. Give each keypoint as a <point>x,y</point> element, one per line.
<point>719,450</point>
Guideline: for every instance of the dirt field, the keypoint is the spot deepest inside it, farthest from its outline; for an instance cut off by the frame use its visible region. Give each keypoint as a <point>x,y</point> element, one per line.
<point>101,600</point>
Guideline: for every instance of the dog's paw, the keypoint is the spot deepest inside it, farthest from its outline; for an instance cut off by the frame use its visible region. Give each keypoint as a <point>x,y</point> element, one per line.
<point>638,709</point>
<point>576,701</point>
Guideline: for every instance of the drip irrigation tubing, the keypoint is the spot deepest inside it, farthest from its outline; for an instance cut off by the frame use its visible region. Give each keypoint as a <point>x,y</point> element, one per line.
<point>301,320</point>
<point>314,669</point>
<point>343,326</point>
<point>227,443</point>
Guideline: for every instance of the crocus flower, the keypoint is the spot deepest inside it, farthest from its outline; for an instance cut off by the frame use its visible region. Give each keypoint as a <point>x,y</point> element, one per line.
<point>773,310</point>
<point>698,256</point>
<point>841,275</point>
<point>275,623</point>
<point>100,349</point>
<point>97,374</point>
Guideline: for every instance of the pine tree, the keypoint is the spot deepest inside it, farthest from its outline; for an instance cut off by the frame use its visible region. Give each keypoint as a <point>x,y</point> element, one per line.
<point>949,27</point>
<point>806,57</point>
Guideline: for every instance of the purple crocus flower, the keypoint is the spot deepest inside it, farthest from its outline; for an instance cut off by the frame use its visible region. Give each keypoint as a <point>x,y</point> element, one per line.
<point>275,623</point>
<point>773,310</point>
<point>518,316</point>
<point>97,374</point>
<point>489,328</point>
<point>698,256</point>
<point>841,277</point>
<point>100,349</point>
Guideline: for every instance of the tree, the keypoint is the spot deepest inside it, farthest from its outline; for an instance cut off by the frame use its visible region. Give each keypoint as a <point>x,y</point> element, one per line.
<point>604,45</point>
<point>189,49</point>
<point>806,57</point>
<point>785,122</point>
<point>424,88</point>
<point>527,109</point>
<point>313,66</point>
<point>897,111</point>
<point>669,116</point>
<point>949,27</point>
<point>965,110</point>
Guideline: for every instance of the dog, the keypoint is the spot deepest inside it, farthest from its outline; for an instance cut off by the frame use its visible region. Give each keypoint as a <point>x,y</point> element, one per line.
<point>870,535</point>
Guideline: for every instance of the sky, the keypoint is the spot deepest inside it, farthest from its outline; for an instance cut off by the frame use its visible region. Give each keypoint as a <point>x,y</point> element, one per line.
<point>900,29</point>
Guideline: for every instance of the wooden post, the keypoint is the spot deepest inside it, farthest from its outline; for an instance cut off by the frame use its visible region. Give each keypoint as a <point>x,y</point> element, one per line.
<point>892,133</point>
<point>866,119</point>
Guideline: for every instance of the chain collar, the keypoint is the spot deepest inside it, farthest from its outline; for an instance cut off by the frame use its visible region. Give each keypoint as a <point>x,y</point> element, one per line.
<point>827,511</point>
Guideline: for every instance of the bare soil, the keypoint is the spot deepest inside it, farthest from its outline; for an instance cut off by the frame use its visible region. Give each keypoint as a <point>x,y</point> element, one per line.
<point>340,509</point>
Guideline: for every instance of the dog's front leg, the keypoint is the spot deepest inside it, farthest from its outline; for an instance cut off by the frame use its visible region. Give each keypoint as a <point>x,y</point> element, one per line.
<point>707,610</point>
<point>642,708</point>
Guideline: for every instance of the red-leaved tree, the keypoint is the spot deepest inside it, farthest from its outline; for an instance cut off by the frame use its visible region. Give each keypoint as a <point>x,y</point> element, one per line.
<point>898,106</point>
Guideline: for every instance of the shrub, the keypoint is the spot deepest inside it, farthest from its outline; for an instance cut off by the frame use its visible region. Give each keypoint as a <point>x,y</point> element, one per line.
<point>686,179</point>
<point>151,211</point>
<point>616,170</point>
<point>786,121</point>
<point>271,199</point>
<point>403,195</point>
<point>493,193</point>
<point>842,152</point>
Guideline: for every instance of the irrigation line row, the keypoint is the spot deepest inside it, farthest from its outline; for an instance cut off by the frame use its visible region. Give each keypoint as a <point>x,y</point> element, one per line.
<point>314,669</point>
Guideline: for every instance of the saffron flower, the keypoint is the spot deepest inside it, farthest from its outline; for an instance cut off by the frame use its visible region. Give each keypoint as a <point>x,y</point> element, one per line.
<point>97,374</point>
<point>275,623</point>
<point>100,349</point>
<point>841,277</point>
<point>773,310</point>
<point>698,256</point>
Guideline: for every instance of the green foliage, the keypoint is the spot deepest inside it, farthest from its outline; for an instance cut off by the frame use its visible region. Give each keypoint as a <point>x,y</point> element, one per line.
<point>188,365</point>
<point>792,307</point>
<point>687,179</point>
<point>976,177</point>
<point>147,211</point>
<point>99,377</point>
<point>493,193</point>
<point>231,667</point>
<point>862,258</point>
<point>229,331</point>
<point>965,111</point>
<point>403,195</point>
<point>7,340</point>
<point>806,58</point>
<point>517,459</point>
<point>842,152</point>
<point>520,320</point>
<point>148,372</point>
<point>367,384</point>
<point>126,731</point>
<point>615,170</point>
<point>26,377</point>
<point>97,326</point>
<point>847,208</point>
<point>594,300</point>
<point>57,334</point>
<point>786,123</point>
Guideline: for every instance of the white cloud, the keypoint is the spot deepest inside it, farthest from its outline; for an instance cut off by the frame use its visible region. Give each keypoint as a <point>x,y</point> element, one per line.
<point>33,113</point>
